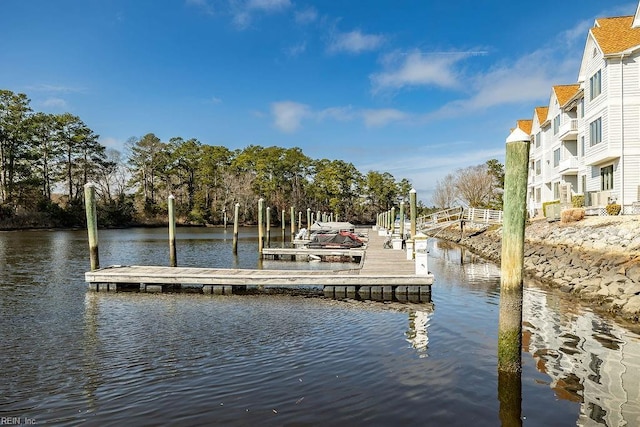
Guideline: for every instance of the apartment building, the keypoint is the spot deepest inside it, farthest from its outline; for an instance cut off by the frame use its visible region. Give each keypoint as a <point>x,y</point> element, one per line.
<point>587,139</point>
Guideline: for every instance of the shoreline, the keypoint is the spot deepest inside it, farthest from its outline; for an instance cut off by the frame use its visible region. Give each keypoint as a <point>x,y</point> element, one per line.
<point>595,260</point>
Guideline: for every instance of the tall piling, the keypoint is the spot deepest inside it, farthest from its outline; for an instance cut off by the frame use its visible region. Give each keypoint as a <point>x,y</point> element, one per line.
<point>260,225</point>
<point>512,257</point>
<point>173,257</point>
<point>392,220</point>
<point>413,213</point>
<point>293,222</point>
<point>224,217</point>
<point>92,224</point>
<point>268,227</point>
<point>236,214</point>
<point>402,219</point>
<point>308,218</point>
<point>299,220</point>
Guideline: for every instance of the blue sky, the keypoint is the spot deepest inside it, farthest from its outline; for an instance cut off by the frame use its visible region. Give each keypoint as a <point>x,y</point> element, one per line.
<point>415,88</point>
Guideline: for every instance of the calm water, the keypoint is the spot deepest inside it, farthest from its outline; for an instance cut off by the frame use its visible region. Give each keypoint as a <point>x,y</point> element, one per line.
<point>73,357</point>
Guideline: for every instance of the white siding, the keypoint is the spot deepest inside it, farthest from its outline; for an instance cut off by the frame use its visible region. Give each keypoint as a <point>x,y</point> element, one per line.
<point>618,103</point>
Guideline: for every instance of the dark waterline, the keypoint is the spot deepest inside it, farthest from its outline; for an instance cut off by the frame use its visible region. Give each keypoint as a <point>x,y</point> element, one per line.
<point>73,357</point>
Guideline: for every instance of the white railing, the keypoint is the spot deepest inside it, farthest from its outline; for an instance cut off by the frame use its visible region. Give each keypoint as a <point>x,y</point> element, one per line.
<point>568,164</point>
<point>484,216</point>
<point>568,128</point>
<point>441,217</point>
<point>447,217</point>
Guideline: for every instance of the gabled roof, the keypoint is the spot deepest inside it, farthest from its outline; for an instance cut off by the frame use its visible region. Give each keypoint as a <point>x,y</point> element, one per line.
<point>525,126</point>
<point>564,93</point>
<point>541,113</point>
<point>616,35</point>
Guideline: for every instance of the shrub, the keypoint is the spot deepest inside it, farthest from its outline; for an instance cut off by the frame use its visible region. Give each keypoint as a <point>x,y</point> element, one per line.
<point>6,211</point>
<point>577,201</point>
<point>572,215</point>
<point>546,204</point>
<point>613,209</point>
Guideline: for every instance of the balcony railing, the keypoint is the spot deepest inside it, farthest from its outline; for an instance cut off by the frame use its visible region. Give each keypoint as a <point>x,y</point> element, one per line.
<point>568,165</point>
<point>568,129</point>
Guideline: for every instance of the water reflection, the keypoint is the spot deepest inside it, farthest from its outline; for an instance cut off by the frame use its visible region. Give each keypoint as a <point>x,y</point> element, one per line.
<point>588,359</point>
<point>417,335</point>
<point>71,356</point>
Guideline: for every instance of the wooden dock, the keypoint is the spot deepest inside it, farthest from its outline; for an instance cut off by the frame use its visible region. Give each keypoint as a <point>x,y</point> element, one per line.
<point>303,254</point>
<point>383,272</point>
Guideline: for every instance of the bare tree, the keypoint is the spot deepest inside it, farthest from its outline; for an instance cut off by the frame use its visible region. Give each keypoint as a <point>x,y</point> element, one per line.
<point>475,186</point>
<point>445,193</point>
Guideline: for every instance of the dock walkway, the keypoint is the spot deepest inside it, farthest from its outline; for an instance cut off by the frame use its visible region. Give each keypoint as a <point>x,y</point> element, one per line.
<point>381,269</point>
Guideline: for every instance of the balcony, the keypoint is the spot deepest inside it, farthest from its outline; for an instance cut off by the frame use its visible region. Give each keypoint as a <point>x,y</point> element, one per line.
<point>568,130</point>
<point>568,166</point>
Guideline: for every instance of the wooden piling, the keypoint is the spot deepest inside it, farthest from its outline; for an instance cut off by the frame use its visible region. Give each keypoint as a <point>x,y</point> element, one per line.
<point>512,257</point>
<point>299,220</point>
<point>308,218</point>
<point>283,224</point>
<point>173,260</point>
<point>413,212</point>
<point>224,217</point>
<point>92,224</point>
<point>268,227</point>
<point>392,220</point>
<point>510,397</point>
<point>236,214</point>
<point>293,222</point>
<point>260,225</point>
<point>402,219</point>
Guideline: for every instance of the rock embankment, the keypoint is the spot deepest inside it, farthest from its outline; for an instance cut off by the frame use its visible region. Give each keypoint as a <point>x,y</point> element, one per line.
<point>596,260</point>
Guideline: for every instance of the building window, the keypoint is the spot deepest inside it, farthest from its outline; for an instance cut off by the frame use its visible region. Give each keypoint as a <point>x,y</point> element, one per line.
<point>556,190</point>
<point>556,157</point>
<point>582,146</point>
<point>538,169</point>
<point>584,185</point>
<point>595,132</point>
<point>538,195</point>
<point>595,84</point>
<point>556,124</point>
<point>606,178</point>
<point>538,139</point>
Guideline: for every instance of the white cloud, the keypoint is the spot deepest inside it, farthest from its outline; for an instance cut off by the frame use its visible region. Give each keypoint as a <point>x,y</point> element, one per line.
<point>382,117</point>
<point>55,103</point>
<point>203,5</point>
<point>288,115</point>
<point>297,49</point>
<point>243,12</point>
<point>47,88</point>
<point>268,5</point>
<point>354,42</point>
<point>420,69</point>
<point>424,169</point>
<point>526,80</point>
<point>307,16</point>
<point>342,114</point>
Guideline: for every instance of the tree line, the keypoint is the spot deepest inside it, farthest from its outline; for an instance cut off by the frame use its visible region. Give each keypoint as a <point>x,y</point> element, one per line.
<point>46,159</point>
